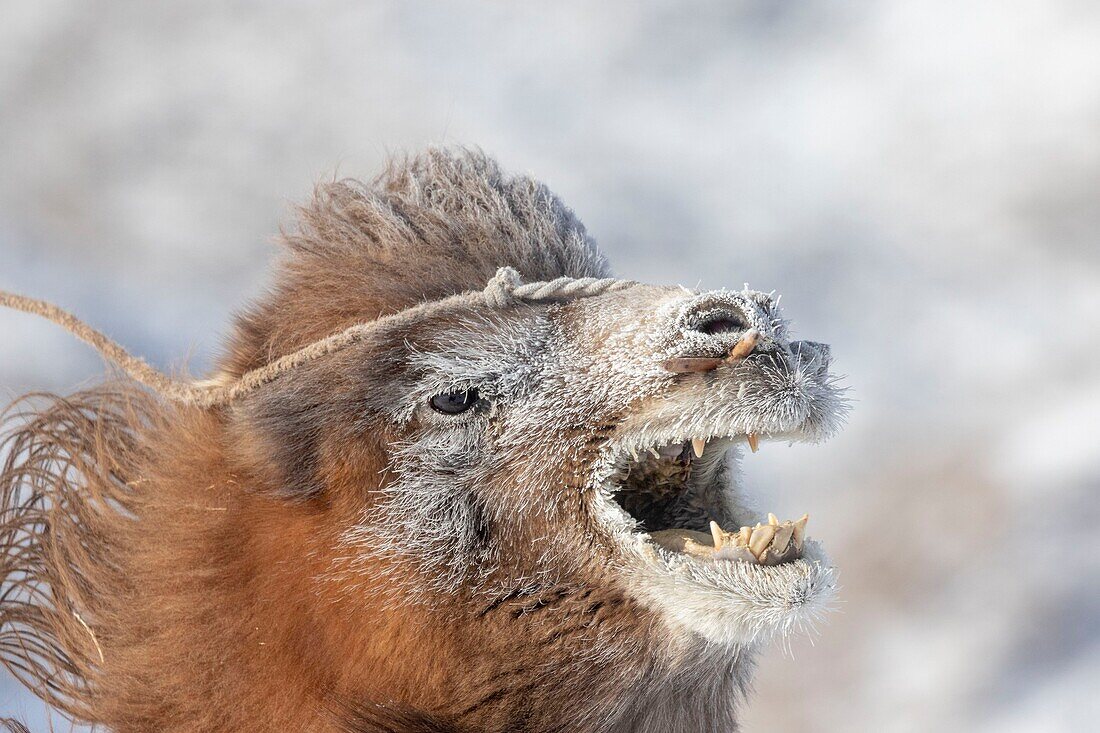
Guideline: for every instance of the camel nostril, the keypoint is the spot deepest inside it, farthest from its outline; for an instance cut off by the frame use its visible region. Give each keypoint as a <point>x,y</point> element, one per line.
<point>721,324</point>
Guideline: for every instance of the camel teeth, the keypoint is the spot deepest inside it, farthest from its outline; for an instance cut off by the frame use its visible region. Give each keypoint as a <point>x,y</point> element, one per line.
<point>698,445</point>
<point>761,538</point>
<point>800,531</point>
<point>782,538</point>
<point>718,535</point>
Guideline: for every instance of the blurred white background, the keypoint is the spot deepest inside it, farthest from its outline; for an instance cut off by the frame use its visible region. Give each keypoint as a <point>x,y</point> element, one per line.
<point>920,180</point>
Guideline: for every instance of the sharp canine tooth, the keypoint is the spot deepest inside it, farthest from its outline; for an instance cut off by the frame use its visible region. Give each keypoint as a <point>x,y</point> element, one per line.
<point>761,538</point>
<point>800,530</point>
<point>754,442</point>
<point>744,535</point>
<point>718,535</point>
<point>655,453</point>
<point>697,445</point>
<point>773,520</point>
<point>782,538</point>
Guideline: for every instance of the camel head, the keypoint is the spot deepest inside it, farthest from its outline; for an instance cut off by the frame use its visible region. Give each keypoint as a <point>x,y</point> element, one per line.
<point>495,508</point>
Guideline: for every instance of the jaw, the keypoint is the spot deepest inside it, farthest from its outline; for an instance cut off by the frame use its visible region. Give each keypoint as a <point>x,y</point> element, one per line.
<point>691,548</point>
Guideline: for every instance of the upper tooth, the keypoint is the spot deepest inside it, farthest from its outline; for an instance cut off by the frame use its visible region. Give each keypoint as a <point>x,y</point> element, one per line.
<point>754,441</point>
<point>697,445</point>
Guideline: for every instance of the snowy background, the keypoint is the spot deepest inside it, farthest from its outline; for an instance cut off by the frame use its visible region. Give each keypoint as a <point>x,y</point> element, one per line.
<point>920,180</point>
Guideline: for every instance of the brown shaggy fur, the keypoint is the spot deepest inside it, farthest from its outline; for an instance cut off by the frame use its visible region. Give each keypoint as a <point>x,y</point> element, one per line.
<point>160,561</point>
<point>328,554</point>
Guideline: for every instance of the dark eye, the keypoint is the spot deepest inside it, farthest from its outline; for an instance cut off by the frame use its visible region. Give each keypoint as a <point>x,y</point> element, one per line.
<point>452,403</point>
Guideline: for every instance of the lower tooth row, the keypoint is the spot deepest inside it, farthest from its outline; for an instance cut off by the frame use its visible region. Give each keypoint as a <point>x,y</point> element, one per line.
<point>766,544</point>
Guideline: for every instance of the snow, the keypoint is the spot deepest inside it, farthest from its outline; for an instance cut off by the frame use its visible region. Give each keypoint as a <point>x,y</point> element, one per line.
<point>918,179</point>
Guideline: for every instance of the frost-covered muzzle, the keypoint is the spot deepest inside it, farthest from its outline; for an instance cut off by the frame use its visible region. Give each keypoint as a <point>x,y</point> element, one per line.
<point>666,485</point>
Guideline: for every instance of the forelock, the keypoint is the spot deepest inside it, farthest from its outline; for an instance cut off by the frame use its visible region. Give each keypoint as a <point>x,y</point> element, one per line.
<point>430,226</point>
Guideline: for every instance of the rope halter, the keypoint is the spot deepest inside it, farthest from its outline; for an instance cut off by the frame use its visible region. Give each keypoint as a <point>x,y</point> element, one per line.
<point>504,289</point>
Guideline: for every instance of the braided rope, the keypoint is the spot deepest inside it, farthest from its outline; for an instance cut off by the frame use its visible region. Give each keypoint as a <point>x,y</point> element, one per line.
<point>506,288</point>
<point>138,369</point>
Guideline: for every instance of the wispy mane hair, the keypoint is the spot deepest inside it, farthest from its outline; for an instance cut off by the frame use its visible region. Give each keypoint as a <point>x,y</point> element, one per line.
<point>68,492</point>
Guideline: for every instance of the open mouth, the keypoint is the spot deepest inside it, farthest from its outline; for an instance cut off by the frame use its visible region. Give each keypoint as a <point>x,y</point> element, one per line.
<point>696,550</point>
<point>656,488</point>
